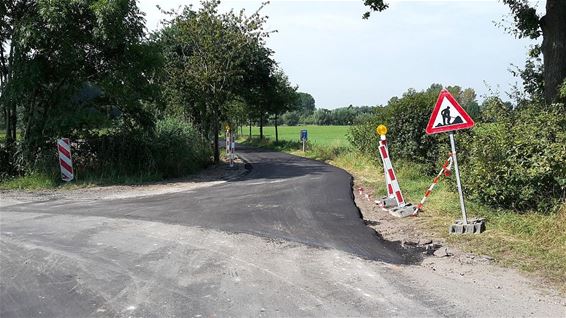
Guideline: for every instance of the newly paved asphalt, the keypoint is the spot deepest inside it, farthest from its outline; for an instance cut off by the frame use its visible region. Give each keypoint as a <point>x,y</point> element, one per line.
<point>284,240</point>
<point>282,197</point>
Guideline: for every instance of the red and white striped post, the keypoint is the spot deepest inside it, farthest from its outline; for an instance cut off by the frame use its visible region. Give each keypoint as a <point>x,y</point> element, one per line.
<point>227,138</point>
<point>446,171</point>
<point>383,142</point>
<point>393,188</point>
<point>65,160</point>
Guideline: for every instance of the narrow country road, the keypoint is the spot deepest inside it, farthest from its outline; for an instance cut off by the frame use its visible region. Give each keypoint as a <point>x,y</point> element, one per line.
<point>286,239</point>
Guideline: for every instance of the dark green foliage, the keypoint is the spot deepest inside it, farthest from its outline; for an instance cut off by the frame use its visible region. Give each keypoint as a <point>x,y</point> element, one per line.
<point>212,59</point>
<point>173,149</point>
<point>305,103</point>
<point>375,5</point>
<point>495,110</point>
<point>72,67</point>
<point>342,116</point>
<point>363,136</point>
<point>519,162</point>
<point>514,158</point>
<point>409,116</point>
<point>178,149</point>
<point>406,118</point>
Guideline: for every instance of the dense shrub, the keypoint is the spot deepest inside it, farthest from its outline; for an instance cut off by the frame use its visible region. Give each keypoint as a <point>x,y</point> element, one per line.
<point>518,163</point>
<point>363,137</point>
<point>7,162</point>
<point>407,124</point>
<point>406,120</point>
<point>173,149</point>
<point>178,149</point>
<point>514,157</point>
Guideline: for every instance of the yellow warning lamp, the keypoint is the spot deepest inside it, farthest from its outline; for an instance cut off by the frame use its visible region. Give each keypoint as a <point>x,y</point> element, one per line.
<point>381,130</point>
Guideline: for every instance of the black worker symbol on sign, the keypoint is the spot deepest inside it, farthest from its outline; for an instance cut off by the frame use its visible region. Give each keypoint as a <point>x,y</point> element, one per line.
<point>445,115</point>
<point>447,119</point>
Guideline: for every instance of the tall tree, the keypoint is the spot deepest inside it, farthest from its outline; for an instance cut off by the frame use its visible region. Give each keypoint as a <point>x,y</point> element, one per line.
<point>551,26</point>
<point>282,97</point>
<point>67,64</point>
<point>206,52</point>
<point>258,84</point>
<point>306,103</point>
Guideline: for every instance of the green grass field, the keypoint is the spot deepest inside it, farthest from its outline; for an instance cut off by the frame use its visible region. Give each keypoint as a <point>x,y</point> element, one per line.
<point>320,135</point>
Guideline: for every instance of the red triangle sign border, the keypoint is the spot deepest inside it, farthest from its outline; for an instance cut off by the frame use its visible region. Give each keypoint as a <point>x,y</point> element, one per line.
<point>469,122</point>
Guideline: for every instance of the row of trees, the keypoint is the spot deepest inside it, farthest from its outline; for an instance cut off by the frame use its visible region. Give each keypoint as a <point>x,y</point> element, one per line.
<point>87,69</point>
<point>307,114</point>
<point>339,116</point>
<point>218,69</point>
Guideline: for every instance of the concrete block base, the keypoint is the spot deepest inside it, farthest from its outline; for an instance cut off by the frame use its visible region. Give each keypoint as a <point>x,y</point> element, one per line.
<point>401,212</point>
<point>474,226</point>
<point>388,202</point>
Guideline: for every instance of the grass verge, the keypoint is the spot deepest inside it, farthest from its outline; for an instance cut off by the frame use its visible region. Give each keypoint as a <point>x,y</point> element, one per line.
<point>532,242</point>
<point>41,181</point>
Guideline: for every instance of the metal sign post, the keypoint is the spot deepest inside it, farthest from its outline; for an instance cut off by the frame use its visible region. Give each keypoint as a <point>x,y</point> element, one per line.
<point>457,171</point>
<point>304,137</point>
<point>448,116</point>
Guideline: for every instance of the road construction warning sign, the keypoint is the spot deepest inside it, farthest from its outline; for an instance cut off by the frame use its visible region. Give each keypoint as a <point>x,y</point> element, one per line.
<point>448,115</point>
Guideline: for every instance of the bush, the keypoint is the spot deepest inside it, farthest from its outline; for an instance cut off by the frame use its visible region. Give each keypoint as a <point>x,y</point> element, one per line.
<point>519,163</point>
<point>513,158</point>
<point>362,136</point>
<point>406,119</point>
<point>173,149</point>
<point>178,149</point>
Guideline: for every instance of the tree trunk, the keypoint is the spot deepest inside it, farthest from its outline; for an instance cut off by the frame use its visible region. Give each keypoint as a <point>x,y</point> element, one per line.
<point>13,121</point>
<point>260,126</point>
<point>10,121</point>
<point>216,145</point>
<point>553,26</point>
<point>9,124</point>
<point>250,129</point>
<point>276,132</point>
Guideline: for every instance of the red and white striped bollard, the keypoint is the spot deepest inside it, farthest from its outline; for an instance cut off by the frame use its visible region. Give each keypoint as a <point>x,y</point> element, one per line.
<point>65,160</point>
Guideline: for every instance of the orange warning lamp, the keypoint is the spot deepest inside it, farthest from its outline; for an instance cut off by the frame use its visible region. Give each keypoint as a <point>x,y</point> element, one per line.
<point>381,130</point>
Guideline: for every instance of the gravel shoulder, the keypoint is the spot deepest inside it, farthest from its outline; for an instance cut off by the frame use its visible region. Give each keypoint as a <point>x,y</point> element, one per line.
<point>211,176</point>
<point>450,272</point>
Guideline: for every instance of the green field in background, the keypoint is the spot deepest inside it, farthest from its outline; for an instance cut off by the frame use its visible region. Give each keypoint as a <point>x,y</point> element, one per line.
<point>320,135</point>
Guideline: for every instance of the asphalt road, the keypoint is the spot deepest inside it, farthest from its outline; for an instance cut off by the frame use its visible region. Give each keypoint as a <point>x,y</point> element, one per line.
<point>283,240</point>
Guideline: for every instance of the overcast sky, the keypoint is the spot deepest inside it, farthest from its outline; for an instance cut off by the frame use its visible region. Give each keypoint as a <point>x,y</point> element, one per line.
<point>330,52</point>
